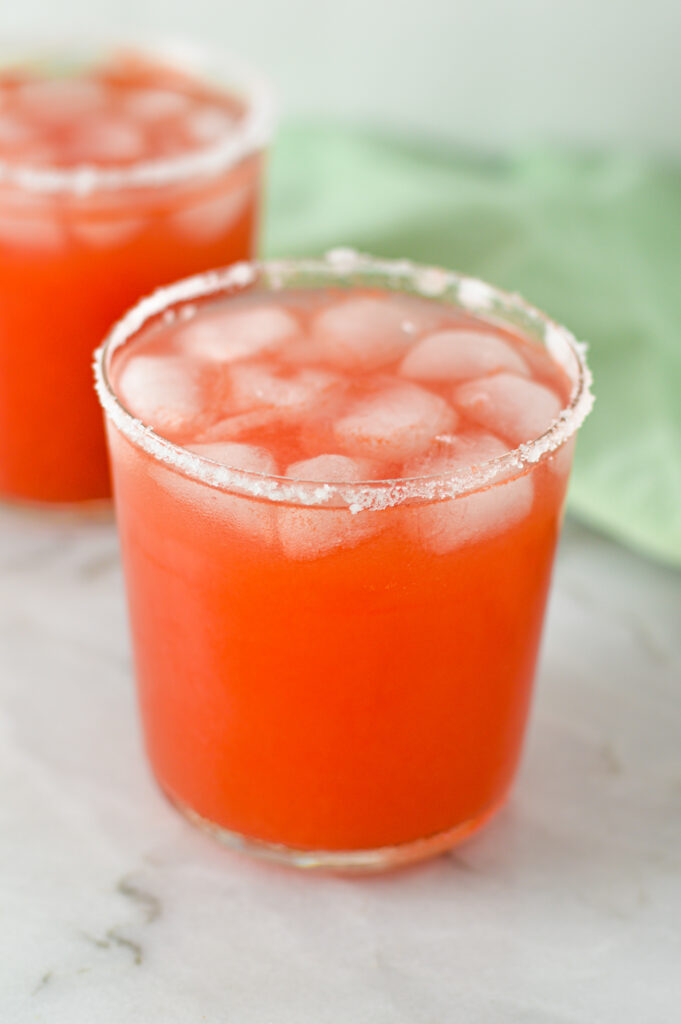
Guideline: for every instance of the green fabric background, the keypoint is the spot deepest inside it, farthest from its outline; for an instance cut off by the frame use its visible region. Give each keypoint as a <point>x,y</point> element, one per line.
<point>594,241</point>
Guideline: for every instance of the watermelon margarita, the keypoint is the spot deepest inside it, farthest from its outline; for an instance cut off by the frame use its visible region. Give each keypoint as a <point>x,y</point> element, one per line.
<point>117,173</point>
<point>339,487</point>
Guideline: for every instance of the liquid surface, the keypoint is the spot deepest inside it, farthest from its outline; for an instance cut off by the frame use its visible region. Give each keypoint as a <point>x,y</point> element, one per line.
<point>339,386</point>
<point>111,116</point>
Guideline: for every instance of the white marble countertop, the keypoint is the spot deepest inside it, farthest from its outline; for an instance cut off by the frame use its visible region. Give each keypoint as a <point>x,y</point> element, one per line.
<point>114,911</point>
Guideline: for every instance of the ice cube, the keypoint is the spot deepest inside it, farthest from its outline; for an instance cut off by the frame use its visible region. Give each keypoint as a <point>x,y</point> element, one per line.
<point>251,517</point>
<point>167,392</point>
<point>209,219</point>
<point>331,469</point>
<point>208,124</point>
<point>307,300</point>
<point>247,457</point>
<point>14,131</point>
<point>301,351</point>
<point>226,336</point>
<point>444,526</point>
<point>513,407</point>
<point>107,233</point>
<point>37,234</point>
<point>419,314</point>
<point>456,451</point>
<point>460,355</point>
<point>308,533</point>
<point>155,104</point>
<point>257,385</point>
<point>37,153</point>
<point>107,140</point>
<point>362,333</point>
<point>231,428</point>
<point>394,423</point>
<point>61,99</point>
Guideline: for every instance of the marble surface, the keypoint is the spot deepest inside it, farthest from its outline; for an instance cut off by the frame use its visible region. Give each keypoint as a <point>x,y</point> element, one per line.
<point>114,911</point>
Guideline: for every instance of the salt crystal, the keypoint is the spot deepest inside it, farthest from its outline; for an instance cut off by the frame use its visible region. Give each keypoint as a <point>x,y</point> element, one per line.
<point>343,259</point>
<point>432,280</point>
<point>515,408</point>
<point>395,423</point>
<point>475,294</point>
<point>460,355</point>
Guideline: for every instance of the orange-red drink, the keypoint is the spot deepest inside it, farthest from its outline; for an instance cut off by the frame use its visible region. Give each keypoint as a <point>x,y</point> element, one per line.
<point>339,487</point>
<point>118,172</point>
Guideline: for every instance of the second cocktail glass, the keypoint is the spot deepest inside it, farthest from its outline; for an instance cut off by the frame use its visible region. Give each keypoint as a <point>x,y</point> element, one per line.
<point>121,168</point>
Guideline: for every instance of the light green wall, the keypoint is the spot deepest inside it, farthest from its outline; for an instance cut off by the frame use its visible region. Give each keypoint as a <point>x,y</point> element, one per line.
<point>477,71</point>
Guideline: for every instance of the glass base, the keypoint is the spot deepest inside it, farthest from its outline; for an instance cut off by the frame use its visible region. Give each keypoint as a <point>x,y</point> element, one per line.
<point>381,858</point>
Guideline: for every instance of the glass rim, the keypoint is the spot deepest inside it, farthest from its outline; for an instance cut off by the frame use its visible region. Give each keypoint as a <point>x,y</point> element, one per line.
<point>338,265</point>
<point>249,135</point>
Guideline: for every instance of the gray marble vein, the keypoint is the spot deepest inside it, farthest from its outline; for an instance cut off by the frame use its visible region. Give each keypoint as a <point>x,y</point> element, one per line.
<point>565,911</point>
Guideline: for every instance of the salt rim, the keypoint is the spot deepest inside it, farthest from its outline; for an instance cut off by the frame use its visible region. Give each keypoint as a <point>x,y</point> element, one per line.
<point>474,295</point>
<point>249,135</point>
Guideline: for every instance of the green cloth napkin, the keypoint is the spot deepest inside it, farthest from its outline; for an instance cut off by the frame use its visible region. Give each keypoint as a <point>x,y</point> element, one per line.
<point>594,241</point>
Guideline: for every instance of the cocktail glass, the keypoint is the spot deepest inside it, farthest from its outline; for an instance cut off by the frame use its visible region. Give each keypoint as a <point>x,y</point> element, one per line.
<point>80,241</point>
<point>337,673</point>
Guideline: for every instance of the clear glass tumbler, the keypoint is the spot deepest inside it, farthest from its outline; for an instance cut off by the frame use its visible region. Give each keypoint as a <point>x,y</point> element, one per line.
<point>99,203</point>
<point>336,672</point>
